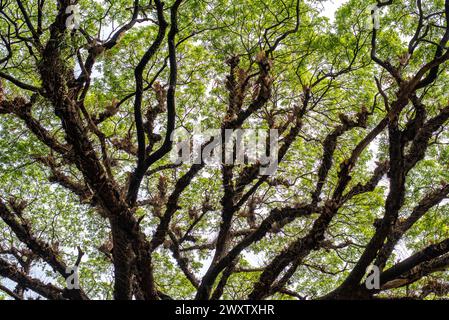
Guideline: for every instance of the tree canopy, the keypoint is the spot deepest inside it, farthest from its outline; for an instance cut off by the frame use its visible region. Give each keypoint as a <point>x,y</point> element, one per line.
<point>92,92</point>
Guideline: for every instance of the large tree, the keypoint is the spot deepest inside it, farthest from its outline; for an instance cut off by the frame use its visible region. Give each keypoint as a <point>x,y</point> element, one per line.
<point>91,93</point>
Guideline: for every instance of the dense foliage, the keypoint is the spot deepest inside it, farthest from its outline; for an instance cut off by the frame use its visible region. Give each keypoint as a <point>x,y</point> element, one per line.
<point>86,177</point>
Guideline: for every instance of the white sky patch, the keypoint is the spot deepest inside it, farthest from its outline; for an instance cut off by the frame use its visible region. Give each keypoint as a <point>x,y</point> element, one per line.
<point>330,7</point>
